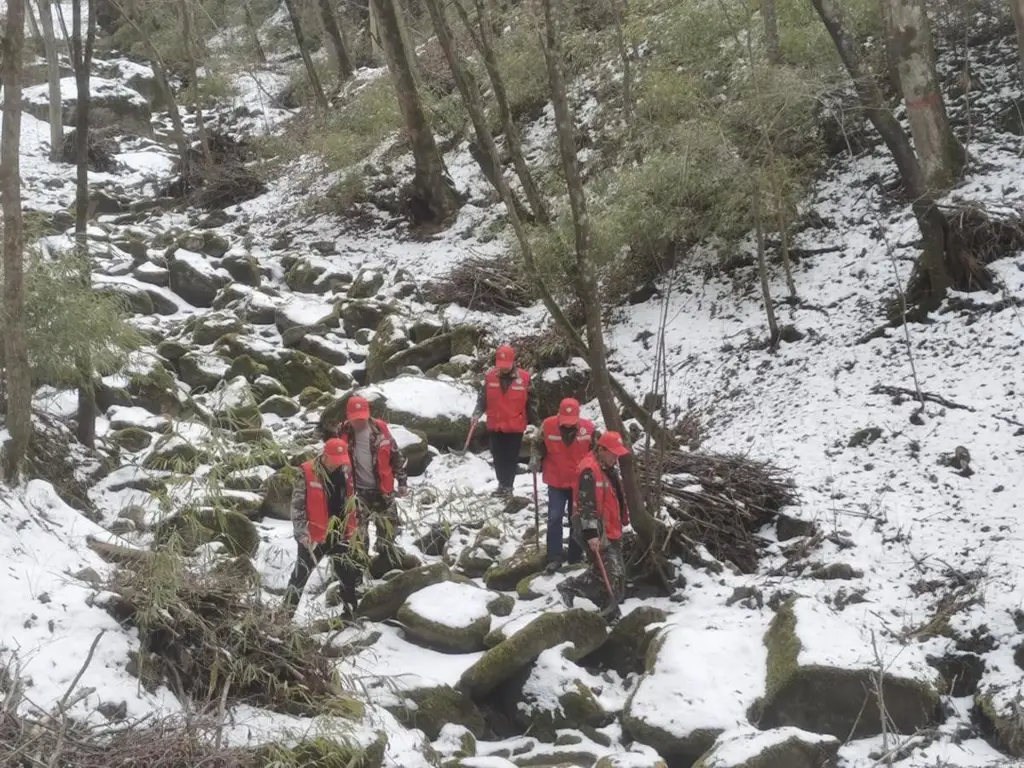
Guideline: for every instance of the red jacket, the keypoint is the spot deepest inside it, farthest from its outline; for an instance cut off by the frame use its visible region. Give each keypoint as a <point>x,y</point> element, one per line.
<point>605,507</point>
<point>561,460</point>
<point>383,446</point>
<point>317,514</point>
<point>507,409</point>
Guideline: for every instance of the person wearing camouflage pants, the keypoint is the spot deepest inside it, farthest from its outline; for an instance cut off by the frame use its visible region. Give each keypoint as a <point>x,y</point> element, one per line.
<point>599,515</point>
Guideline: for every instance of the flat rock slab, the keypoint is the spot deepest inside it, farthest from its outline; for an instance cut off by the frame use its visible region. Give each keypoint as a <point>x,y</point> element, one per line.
<point>778,748</point>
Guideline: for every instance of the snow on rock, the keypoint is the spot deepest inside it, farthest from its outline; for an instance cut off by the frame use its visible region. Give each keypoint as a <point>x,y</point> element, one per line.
<point>49,574</point>
<point>704,677</point>
<point>123,106</point>
<point>789,747</point>
<point>439,409</point>
<point>304,313</point>
<point>451,604</point>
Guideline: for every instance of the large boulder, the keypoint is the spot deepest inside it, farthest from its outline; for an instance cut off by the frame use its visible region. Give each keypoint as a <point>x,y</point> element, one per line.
<point>414,447</point>
<point>366,285</point>
<point>306,314</point>
<point>211,326</point>
<point>243,269</point>
<point>193,278</point>
<point>629,641</point>
<point>363,315</point>
<point>384,601</point>
<point>111,104</point>
<point>585,630</point>
<point>431,709</point>
<point>132,298</point>
<point>433,351</point>
<point>194,528</point>
<point>678,707</point>
<point>389,339</point>
<point>822,672</point>
<point>999,707</point>
<point>778,748</point>
<point>449,616</point>
<point>555,384</point>
<point>556,695</point>
<point>277,493</point>
<point>201,371</point>
<point>441,410</point>
<point>296,371</point>
<point>507,574</point>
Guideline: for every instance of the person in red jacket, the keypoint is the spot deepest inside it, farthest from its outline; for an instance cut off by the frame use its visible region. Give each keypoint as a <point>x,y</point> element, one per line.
<point>511,407</point>
<point>600,506</point>
<point>323,525</point>
<point>376,474</point>
<point>564,440</point>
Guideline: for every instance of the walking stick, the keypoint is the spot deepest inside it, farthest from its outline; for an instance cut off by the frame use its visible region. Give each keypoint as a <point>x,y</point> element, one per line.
<point>614,604</point>
<point>469,438</point>
<point>536,510</point>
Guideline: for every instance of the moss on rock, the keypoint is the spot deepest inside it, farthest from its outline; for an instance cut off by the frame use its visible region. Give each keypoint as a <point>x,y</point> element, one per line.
<point>629,641</point>
<point>389,339</point>
<point>296,371</point>
<point>132,439</point>
<point>383,602</point>
<point>501,605</point>
<point>506,575</point>
<point>247,367</point>
<point>173,454</point>
<point>193,528</point>
<point>586,630</point>
<point>780,748</point>
<point>578,707</point>
<point>998,711</point>
<point>430,709</point>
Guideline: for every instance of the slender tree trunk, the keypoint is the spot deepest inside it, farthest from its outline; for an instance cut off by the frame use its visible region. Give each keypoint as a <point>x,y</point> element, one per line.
<point>82,61</point>
<point>250,24</point>
<point>485,45</point>
<point>1017,9</point>
<point>56,112</point>
<point>341,57</point>
<point>942,156</point>
<point>892,68</point>
<point>932,265</point>
<point>373,30</point>
<point>307,60</point>
<point>762,270</point>
<point>434,197</point>
<point>19,385</point>
<point>193,72</point>
<point>773,48</point>
<point>471,99</point>
<point>627,65</point>
<point>587,284</point>
<point>38,41</point>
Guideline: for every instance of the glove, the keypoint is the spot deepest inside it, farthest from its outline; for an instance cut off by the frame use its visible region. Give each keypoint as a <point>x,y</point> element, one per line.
<point>531,433</point>
<point>534,463</point>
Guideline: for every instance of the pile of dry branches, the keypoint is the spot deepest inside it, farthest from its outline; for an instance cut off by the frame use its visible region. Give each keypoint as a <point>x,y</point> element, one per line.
<point>719,501</point>
<point>487,284</point>
<point>208,639</point>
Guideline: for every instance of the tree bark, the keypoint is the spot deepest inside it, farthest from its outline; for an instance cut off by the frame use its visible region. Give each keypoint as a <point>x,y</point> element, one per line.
<point>19,386</point>
<point>307,60</point>
<point>81,56</point>
<point>56,112</point>
<point>373,30</point>
<point>193,72</point>
<point>627,65</point>
<point>932,265</point>
<point>762,269</point>
<point>942,157</point>
<point>1017,9</point>
<point>587,285</point>
<point>250,24</point>
<point>341,57</point>
<point>38,41</point>
<point>434,199</point>
<point>485,45</point>
<point>773,47</point>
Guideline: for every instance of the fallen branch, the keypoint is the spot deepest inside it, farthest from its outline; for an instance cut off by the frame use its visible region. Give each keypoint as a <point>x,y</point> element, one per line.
<point>897,392</point>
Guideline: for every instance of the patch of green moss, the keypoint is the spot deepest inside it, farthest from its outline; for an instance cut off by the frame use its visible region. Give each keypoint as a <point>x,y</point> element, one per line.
<point>247,367</point>
<point>441,637</point>
<point>433,708</point>
<point>507,574</point>
<point>1006,724</point>
<point>383,602</point>
<point>296,371</point>
<point>783,646</point>
<point>131,439</point>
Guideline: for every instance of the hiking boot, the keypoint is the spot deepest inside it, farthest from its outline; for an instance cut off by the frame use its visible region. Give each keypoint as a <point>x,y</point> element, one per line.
<point>554,565</point>
<point>567,597</point>
<point>498,492</point>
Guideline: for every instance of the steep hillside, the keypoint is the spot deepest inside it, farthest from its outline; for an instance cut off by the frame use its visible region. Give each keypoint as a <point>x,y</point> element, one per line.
<point>857,607</point>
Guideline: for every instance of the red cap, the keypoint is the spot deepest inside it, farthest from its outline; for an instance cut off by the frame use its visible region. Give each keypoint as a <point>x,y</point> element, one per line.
<point>505,357</point>
<point>612,442</point>
<point>569,412</point>
<point>334,447</point>
<point>357,408</point>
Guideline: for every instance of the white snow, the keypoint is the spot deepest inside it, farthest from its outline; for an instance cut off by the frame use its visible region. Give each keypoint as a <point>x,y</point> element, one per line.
<point>100,89</point>
<point>429,398</point>
<point>404,437</point>
<point>306,312</point>
<point>451,604</point>
<point>735,748</point>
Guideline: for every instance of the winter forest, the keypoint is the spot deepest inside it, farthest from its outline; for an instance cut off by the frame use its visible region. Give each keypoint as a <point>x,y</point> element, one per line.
<point>511,383</point>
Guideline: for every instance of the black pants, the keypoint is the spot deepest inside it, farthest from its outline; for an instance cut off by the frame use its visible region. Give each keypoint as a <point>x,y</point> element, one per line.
<point>346,570</point>
<point>505,451</point>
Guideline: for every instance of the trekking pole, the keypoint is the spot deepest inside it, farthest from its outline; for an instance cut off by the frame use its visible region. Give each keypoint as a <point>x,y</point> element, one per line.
<point>469,438</point>
<point>607,584</point>
<point>536,510</point>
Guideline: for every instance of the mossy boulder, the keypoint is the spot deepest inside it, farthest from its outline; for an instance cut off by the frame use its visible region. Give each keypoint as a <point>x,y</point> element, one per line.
<point>325,752</point>
<point>171,351</point>
<point>367,284</point>
<point>211,326</point>
<point>154,389</point>
<point>243,268</point>
<point>363,315</point>
<point>384,601</point>
<point>506,575</point>
<point>309,395</point>
<point>577,706</point>
<point>629,760</point>
<point>175,454</point>
<point>778,748</point>
<point>131,439</point>
<point>805,689</point>
<point>629,641</point>
<point>586,630</point>
<point>389,339</point>
<point>201,371</point>
<point>441,410</point>
<point>192,278</point>
<point>998,707</point>
<point>448,617</point>
<point>246,367</point>
<point>501,605</point>
<point>277,493</point>
<point>296,371</point>
<point>284,407</point>
<point>555,384</point>
<point>194,528</point>
<point>431,709</point>
<point>431,352</point>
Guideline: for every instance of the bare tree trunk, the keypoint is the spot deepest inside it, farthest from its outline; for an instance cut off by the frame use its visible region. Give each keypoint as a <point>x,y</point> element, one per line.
<point>485,45</point>
<point>1017,9</point>
<point>627,65</point>
<point>434,198</point>
<point>81,57</point>
<point>193,72</point>
<point>250,24</point>
<point>933,268</point>
<point>762,270</point>
<point>19,385</point>
<point>941,155</point>
<point>892,68</point>
<point>341,57</point>
<point>471,98</point>
<point>38,41</point>
<point>773,48</point>
<point>373,30</point>
<point>587,285</point>
<point>56,112</point>
<point>307,60</point>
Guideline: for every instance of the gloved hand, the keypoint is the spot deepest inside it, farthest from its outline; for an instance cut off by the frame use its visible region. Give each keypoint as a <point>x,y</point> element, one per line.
<point>532,433</point>
<point>534,463</point>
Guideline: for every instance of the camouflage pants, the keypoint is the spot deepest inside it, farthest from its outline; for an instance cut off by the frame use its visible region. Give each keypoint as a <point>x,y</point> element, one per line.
<point>383,512</point>
<point>590,583</point>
